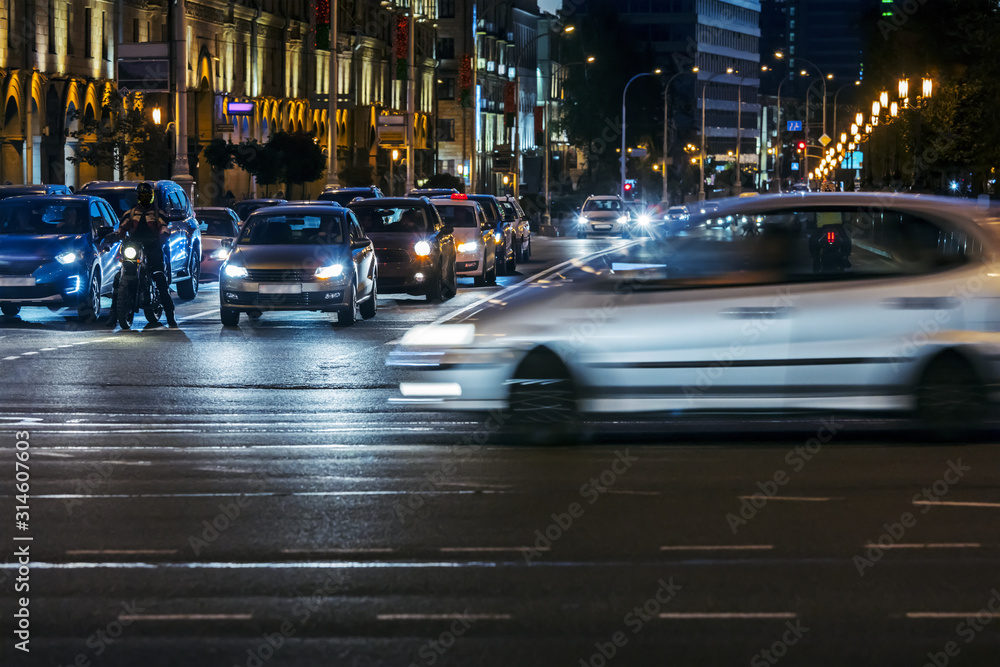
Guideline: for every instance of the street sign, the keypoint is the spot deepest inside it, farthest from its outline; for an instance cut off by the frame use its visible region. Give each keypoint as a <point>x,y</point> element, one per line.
<point>795,166</point>
<point>794,126</point>
<point>391,130</point>
<point>825,140</point>
<point>123,91</point>
<point>638,152</point>
<point>239,108</point>
<point>221,128</point>
<point>144,67</point>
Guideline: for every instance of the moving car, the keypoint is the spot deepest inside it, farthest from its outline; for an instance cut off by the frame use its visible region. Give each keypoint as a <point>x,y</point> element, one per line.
<point>677,217</point>
<point>52,253</point>
<point>219,228</point>
<point>247,206</point>
<point>603,214</point>
<point>473,236</point>
<point>521,232</point>
<point>345,196</point>
<point>33,189</point>
<point>183,251</point>
<point>416,250</point>
<point>749,324</point>
<point>300,257</point>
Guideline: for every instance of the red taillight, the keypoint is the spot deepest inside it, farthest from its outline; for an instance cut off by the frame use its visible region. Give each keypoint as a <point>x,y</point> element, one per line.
<point>459,196</point>
<point>831,236</point>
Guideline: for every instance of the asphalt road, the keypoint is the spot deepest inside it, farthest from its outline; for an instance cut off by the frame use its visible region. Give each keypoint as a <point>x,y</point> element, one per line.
<point>251,496</point>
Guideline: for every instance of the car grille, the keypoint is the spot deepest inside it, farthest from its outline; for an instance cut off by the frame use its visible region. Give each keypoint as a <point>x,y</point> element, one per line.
<point>392,256</point>
<point>36,292</point>
<point>279,275</point>
<point>19,269</point>
<point>304,300</point>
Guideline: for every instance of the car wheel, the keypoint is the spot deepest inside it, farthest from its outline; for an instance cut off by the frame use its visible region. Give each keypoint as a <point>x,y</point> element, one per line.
<point>348,315</point>
<point>435,291</point>
<point>229,317</point>
<point>491,275</point>
<point>527,254</point>
<point>254,314</point>
<point>482,278</point>
<point>543,401</point>
<point>952,400</point>
<point>519,251</point>
<point>188,289</point>
<point>451,286</point>
<point>511,264</point>
<point>9,310</point>
<point>90,305</point>
<point>370,307</point>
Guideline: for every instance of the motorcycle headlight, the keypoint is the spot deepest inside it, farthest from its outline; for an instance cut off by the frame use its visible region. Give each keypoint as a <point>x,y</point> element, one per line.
<point>235,271</point>
<point>422,248</point>
<point>332,271</point>
<point>130,252</point>
<point>498,236</point>
<point>220,253</point>
<point>67,257</point>
<point>468,247</point>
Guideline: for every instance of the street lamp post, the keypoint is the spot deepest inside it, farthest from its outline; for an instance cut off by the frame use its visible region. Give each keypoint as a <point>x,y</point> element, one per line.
<point>835,96</point>
<point>779,148</point>
<point>332,179</point>
<point>623,158</point>
<point>666,130</point>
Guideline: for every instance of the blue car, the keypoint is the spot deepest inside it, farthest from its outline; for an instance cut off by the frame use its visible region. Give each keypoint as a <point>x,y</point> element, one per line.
<point>52,253</point>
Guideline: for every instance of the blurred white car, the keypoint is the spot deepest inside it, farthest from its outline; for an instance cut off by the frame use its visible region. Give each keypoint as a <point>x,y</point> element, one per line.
<point>907,321</point>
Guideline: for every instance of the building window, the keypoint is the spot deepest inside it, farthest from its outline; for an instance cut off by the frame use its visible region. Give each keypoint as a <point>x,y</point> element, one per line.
<point>104,40</point>
<point>69,28</point>
<point>135,31</point>
<point>52,26</point>
<point>446,88</point>
<point>446,129</point>
<point>88,35</point>
<point>446,48</point>
<point>446,9</point>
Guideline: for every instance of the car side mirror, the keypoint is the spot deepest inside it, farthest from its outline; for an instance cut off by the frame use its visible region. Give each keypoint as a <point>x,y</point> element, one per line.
<point>447,229</point>
<point>102,232</point>
<point>361,245</point>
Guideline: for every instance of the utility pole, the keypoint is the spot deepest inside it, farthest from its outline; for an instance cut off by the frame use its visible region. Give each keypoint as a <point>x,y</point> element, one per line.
<point>332,180</point>
<point>411,115</point>
<point>182,171</point>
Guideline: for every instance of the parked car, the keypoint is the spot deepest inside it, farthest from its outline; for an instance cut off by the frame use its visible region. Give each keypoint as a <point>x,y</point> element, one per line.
<point>521,232</point>
<point>52,253</point>
<point>746,324</point>
<point>416,250</point>
<point>603,214</point>
<point>300,257</point>
<point>33,189</point>
<point>475,251</point>
<point>183,249</point>
<point>345,196</point>
<point>219,228</point>
<point>247,206</point>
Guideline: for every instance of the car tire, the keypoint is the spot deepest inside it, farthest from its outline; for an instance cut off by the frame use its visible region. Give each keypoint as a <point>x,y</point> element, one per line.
<point>348,315</point>
<point>481,279</point>
<point>491,275</point>
<point>229,317</point>
<point>951,399</point>
<point>519,251</point>
<point>450,290</point>
<point>527,254</point>
<point>10,310</point>
<point>499,261</point>
<point>435,291</point>
<point>511,265</point>
<point>90,305</point>
<point>254,314</point>
<point>188,289</point>
<point>370,307</point>
<point>542,405</point>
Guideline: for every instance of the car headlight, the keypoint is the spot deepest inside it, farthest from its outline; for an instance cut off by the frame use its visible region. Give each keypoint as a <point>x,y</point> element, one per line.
<point>468,247</point>
<point>235,271</point>
<point>422,248</point>
<point>220,253</point>
<point>498,236</point>
<point>581,220</point>
<point>622,219</point>
<point>67,257</point>
<point>130,253</point>
<point>327,272</point>
<point>644,220</point>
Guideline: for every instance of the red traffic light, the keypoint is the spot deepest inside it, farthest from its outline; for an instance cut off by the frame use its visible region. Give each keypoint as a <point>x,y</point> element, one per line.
<point>628,187</point>
<point>801,145</point>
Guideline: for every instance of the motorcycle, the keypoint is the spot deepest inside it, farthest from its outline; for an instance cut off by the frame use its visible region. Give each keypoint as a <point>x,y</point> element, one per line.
<point>832,252</point>
<point>136,289</point>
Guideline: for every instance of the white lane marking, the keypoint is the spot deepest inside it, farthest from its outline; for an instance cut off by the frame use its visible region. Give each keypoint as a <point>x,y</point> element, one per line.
<point>949,614</point>
<point>47,349</point>
<point>444,617</point>
<point>120,552</point>
<point>197,315</point>
<point>259,494</point>
<point>11,358</point>
<point>85,342</point>
<point>722,615</point>
<point>927,545</point>
<point>718,547</point>
<point>496,296</point>
<point>65,346</point>
<point>185,617</point>
<point>372,550</point>
<point>954,503</point>
<point>487,549</point>
<point>27,354</point>
<point>801,499</point>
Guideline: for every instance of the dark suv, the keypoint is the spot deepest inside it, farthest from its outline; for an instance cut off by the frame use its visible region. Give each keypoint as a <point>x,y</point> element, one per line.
<point>415,249</point>
<point>345,196</point>
<point>183,251</point>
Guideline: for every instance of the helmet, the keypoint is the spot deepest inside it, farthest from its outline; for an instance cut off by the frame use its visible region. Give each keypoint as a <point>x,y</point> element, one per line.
<point>144,193</point>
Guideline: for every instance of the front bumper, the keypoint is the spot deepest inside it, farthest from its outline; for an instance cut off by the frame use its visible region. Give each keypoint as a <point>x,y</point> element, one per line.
<point>601,227</point>
<point>61,291</point>
<point>410,277</point>
<point>245,296</point>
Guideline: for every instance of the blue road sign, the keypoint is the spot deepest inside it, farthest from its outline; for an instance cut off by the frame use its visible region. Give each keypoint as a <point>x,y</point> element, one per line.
<point>795,166</point>
<point>794,126</point>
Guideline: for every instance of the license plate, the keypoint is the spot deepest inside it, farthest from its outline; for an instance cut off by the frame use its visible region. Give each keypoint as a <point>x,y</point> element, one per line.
<point>279,289</point>
<point>602,228</point>
<point>19,281</point>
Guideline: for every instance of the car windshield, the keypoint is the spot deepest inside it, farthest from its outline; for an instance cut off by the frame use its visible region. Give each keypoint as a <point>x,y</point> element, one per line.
<point>293,229</point>
<point>215,223</point>
<point>397,219</point>
<point>344,197</point>
<point>245,208</point>
<point>457,215</point>
<point>38,218</point>
<point>602,205</point>
<point>122,200</point>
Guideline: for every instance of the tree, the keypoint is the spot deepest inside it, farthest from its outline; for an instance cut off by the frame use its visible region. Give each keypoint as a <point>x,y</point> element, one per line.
<point>121,137</point>
<point>300,157</point>
<point>259,160</point>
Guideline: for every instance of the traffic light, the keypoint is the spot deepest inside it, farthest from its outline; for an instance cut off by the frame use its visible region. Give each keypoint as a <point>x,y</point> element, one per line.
<point>628,187</point>
<point>801,146</point>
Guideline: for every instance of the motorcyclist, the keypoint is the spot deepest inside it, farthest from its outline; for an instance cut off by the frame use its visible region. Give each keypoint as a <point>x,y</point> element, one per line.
<point>146,224</point>
<point>830,221</point>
